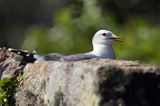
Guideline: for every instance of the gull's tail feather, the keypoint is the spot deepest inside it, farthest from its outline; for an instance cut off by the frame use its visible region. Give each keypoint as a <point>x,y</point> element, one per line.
<point>28,57</point>
<point>48,57</point>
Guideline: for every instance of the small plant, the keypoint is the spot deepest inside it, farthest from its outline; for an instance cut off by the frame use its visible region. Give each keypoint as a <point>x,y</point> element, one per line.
<point>8,88</point>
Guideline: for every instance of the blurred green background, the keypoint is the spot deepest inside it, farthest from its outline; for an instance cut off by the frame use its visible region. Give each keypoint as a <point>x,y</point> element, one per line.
<point>67,26</point>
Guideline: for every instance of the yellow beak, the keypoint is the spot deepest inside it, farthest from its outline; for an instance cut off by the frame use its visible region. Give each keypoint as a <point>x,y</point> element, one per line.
<point>117,38</point>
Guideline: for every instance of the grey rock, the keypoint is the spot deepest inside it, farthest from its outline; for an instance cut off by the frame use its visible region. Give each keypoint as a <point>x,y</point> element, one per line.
<point>95,82</point>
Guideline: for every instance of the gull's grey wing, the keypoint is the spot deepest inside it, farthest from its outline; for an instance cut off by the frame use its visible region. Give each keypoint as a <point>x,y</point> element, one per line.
<point>78,57</point>
<point>49,57</point>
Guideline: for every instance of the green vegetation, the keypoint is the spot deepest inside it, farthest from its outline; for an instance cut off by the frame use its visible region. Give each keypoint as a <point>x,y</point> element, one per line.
<point>7,89</point>
<point>75,25</point>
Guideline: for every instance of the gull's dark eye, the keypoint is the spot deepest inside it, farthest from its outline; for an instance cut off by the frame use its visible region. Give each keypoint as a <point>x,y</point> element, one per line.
<point>104,34</point>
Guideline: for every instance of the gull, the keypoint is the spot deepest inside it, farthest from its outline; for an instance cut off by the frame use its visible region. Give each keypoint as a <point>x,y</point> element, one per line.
<point>102,48</point>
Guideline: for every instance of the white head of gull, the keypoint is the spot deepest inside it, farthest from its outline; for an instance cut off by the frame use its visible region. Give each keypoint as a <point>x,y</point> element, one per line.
<point>102,44</point>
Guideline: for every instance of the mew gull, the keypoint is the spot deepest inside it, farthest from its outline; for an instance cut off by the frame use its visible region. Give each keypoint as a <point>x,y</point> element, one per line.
<point>102,48</point>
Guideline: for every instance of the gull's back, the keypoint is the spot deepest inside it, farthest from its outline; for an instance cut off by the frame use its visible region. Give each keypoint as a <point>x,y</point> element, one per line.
<point>78,57</point>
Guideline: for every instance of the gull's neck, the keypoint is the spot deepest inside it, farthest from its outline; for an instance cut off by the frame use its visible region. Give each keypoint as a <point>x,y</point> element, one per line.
<point>103,51</point>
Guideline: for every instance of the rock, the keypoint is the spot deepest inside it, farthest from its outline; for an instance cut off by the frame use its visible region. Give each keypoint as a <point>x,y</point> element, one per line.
<point>94,82</point>
<point>10,63</point>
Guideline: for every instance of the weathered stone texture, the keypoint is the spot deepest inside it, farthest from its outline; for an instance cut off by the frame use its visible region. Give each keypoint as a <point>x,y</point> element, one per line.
<point>10,63</point>
<point>95,82</point>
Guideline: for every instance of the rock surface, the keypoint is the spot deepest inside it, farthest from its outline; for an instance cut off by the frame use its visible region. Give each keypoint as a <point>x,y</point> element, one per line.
<point>10,63</point>
<point>95,82</point>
